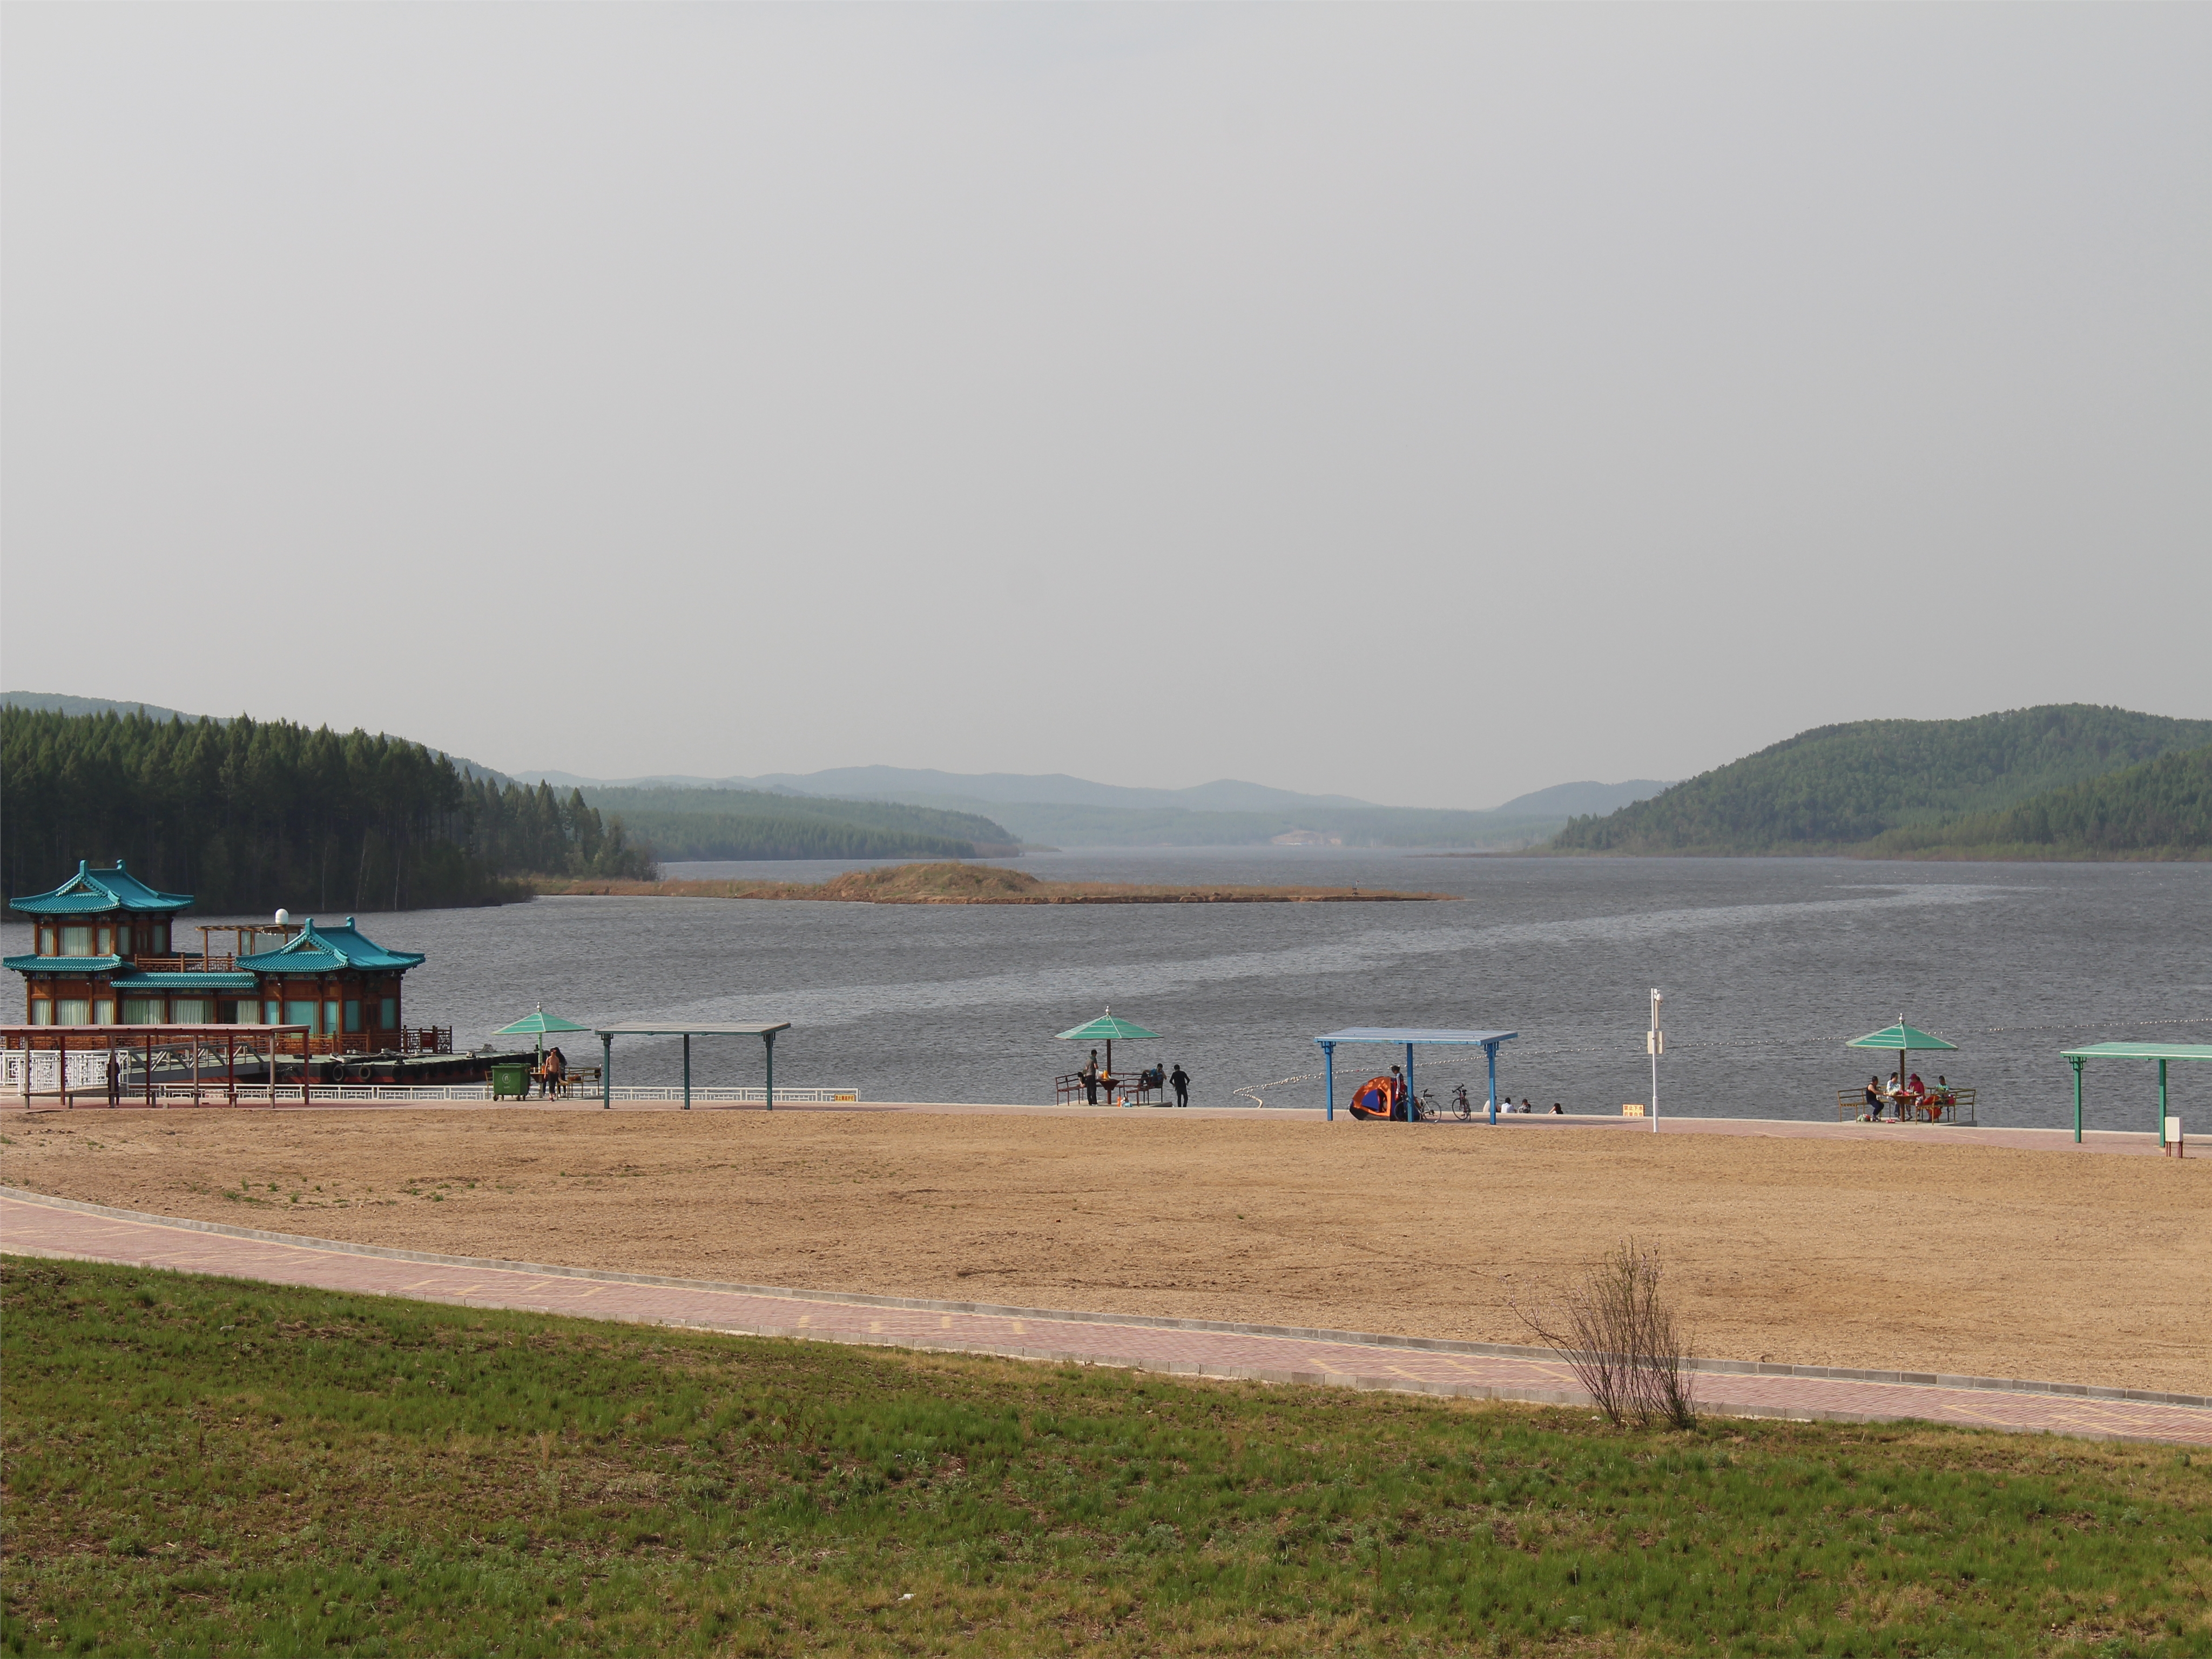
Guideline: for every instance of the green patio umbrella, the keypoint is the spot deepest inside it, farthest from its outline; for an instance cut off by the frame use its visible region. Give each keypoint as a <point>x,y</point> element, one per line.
<point>1901,1037</point>
<point>1106,1028</point>
<point>538,1025</point>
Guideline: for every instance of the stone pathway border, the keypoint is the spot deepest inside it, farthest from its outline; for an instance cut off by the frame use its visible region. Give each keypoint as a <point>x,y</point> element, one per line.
<point>34,1224</point>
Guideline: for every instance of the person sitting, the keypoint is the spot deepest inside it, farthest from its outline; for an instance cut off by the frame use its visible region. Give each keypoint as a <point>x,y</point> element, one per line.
<point>1913,1087</point>
<point>1873,1098</point>
<point>1558,1110</point>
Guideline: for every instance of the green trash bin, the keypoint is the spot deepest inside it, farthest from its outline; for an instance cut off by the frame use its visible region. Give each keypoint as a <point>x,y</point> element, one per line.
<point>510,1081</point>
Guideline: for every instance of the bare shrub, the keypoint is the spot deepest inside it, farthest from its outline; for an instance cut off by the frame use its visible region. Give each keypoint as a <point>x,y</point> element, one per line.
<point>1618,1332</point>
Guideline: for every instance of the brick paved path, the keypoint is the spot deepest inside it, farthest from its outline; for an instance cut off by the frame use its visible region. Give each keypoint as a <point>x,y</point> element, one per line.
<point>34,1225</point>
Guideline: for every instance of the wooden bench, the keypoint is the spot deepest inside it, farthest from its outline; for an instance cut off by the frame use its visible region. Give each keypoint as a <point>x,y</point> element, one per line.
<point>1958,1107</point>
<point>586,1077</point>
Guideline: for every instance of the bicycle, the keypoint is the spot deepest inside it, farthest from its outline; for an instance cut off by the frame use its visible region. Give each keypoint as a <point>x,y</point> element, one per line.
<point>1462,1105</point>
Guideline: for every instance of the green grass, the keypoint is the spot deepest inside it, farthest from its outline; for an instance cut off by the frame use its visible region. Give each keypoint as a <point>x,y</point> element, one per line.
<point>197,1466</point>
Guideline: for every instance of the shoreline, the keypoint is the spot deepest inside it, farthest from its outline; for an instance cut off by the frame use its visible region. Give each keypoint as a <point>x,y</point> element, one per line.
<point>972,883</point>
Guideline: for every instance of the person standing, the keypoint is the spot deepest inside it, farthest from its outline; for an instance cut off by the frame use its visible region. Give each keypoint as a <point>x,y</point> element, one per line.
<point>114,1080</point>
<point>1180,1079</point>
<point>1090,1076</point>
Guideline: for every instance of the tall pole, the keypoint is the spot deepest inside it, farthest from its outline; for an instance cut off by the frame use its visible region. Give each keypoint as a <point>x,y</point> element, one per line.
<point>1656,1041</point>
<point>1490,1049</point>
<point>769,1037</point>
<point>2077,1098</point>
<point>606,1071</point>
<point>1409,1083</point>
<point>2161,1103</point>
<point>1328,1070</point>
<point>687,1071</point>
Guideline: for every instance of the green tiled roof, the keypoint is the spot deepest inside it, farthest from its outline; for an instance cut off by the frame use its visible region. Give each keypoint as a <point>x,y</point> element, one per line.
<point>93,892</point>
<point>328,950</point>
<point>70,965</point>
<point>210,982</point>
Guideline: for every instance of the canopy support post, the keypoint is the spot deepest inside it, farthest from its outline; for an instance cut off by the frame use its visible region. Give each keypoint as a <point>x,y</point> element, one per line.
<point>768,1038</point>
<point>1329,1071</point>
<point>687,1071</point>
<point>2076,1064</point>
<point>606,1072</point>
<point>1489,1051</point>
<point>1409,1083</point>
<point>2161,1103</point>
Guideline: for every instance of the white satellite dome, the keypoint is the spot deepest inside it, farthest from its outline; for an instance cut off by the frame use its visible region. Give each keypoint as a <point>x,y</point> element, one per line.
<point>283,917</point>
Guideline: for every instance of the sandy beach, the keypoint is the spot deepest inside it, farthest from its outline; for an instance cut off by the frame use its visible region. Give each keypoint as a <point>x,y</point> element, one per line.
<point>1944,1258</point>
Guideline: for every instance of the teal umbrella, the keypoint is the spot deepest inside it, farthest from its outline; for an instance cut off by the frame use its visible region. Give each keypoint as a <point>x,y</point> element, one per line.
<point>1105,1029</point>
<point>538,1025</point>
<point>1903,1038</point>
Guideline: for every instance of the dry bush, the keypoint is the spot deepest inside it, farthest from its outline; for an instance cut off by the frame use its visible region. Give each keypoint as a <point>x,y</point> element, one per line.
<point>1618,1332</point>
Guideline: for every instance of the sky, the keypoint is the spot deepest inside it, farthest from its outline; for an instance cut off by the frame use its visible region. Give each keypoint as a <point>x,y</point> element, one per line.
<point>1422,403</point>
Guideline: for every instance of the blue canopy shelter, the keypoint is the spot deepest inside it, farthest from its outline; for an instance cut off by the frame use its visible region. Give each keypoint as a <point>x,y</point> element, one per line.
<point>1410,1037</point>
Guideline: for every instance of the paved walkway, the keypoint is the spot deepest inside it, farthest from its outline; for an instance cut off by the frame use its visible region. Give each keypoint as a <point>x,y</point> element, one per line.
<point>34,1225</point>
<point>2127,1143</point>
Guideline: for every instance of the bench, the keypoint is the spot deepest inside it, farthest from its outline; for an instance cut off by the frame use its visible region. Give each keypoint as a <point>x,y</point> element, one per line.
<point>1957,1107</point>
<point>586,1077</point>
<point>1121,1089</point>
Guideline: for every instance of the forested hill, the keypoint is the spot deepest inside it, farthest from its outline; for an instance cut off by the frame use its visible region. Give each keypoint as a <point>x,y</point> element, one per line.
<point>2162,809</point>
<point>746,823</point>
<point>248,815</point>
<point>1838,788</point>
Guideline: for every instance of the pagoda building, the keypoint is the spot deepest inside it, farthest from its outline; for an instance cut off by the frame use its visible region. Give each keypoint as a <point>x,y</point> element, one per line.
<point>104,956</point>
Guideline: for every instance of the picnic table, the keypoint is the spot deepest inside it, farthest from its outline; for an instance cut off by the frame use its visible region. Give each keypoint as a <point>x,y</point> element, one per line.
<point>1942,1105</point>
<point>1124,1089</point>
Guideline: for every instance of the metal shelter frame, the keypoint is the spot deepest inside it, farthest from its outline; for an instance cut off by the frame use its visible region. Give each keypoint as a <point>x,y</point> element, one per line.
<point>2160,1052</point>
<point>122,1040</point>
<point>764,1030</point>
<point>1410,1037</point>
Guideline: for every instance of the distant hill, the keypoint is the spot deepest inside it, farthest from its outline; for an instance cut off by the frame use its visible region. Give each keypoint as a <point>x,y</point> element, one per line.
<point>1838,788</point>
<point>1566,800</point>
<point>56,703</point>
<point>690,824</point>
<point>2162,809</point>
<point>1057,810</point>
<point>986,789</point>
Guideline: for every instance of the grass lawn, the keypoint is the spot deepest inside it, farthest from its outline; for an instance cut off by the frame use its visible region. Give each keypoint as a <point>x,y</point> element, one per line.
<point>198,1465</point>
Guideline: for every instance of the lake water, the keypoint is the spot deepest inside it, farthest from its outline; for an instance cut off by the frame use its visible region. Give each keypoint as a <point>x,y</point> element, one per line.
<point>1767,964</point>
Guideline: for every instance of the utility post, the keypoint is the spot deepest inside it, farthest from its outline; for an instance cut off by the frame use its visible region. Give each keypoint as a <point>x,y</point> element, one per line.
<point>1654,1044</point>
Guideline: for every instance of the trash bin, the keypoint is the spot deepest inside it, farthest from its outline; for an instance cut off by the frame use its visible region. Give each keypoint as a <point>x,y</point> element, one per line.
<point>510,1081</point>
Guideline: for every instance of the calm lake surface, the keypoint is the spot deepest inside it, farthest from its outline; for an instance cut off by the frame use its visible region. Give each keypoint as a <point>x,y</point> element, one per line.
<point>1768,965</point>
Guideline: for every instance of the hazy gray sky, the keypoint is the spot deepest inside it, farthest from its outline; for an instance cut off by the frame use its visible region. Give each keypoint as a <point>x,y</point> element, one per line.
<point>1426,403</point>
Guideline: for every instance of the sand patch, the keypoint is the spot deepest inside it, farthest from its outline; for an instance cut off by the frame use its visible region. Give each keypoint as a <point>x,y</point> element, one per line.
<point>1956,1258</point>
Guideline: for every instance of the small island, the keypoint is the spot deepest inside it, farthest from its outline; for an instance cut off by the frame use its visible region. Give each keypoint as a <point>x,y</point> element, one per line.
<point>973,883</point>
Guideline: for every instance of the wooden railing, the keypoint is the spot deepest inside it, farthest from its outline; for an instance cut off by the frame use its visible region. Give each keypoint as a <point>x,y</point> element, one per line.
<point>184,964</point>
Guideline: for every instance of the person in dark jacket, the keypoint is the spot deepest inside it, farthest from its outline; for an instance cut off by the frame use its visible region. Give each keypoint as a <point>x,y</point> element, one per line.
<point>1090,1076</point>
<point>1180,1080</point>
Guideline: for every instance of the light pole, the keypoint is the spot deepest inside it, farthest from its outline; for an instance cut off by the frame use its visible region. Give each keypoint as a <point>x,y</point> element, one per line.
<point>1654,1044</point>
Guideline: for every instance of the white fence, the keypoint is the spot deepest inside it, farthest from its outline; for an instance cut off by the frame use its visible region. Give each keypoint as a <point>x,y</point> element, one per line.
<point>92,1078</point>
<point>87,1069</point>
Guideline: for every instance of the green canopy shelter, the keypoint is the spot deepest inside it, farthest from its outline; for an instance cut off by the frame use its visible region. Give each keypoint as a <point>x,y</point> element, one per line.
<point>1104,1030</point>
<point>538,1025</point>
<point>2160,1052</point>
<point>1903,1039</point>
